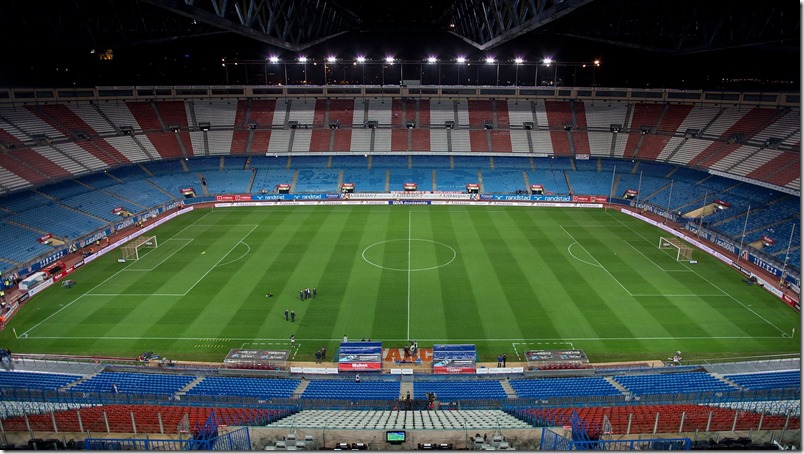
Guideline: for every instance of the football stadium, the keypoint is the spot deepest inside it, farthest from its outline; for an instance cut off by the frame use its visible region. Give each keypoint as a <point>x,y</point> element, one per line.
<point>315,250</point>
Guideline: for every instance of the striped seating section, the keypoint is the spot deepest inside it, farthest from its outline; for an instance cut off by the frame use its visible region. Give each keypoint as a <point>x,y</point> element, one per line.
<point>244,386</point>
<point>543,388</point>
<point>449,390</point>
<point>135,383</point>
<point>768,380</point>
<point>35,380</point>
<point>673,383</point>
<point>349,390</point>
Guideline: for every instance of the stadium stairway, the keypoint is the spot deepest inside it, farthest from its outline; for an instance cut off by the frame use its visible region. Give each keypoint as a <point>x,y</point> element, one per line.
<point>80,380</point>
<point>405,388</point>
<point>509,390</point>
<point>300,389</point>
<point>190,385</point>
<point>617,385</point>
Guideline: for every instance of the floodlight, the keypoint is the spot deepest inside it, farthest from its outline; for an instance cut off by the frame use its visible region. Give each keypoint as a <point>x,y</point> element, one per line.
<point>361,59</point>
<point>461,60</point>
<point>389,60</point>
<point>431,59</point>
<point>547,61</point>
<point>490,60</point>
<point>302,59</point>
<point>331,59</point>
<point>273,59</point>
<point>597,62</point>
<point>518,60</point>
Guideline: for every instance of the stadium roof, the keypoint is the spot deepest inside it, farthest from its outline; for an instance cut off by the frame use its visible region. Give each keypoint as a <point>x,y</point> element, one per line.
<point>183,39</point>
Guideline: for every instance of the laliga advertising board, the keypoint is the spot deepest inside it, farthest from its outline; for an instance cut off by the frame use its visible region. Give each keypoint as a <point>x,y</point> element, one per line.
<point>360,356</point>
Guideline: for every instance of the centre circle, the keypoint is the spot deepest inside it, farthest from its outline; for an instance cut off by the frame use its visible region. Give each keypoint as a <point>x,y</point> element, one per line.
<point>409,255</point>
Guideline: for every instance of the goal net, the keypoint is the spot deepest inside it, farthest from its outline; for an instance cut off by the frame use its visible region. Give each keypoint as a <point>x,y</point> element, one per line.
<point>683,250</point>
<point>131,251</point>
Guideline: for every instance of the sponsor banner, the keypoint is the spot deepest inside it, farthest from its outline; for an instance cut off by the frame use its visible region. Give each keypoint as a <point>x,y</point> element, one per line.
<point>791,302</point>
<point>54,257</point>
<point>582,156</point>
<point>41,286</point>
<point>95,237</point>
<point>454,369</point>
<point>500,370</point>
<point>45,238</point>
<point>313,370</point>
<point>271,197</point>
<point>455,362</point>
<point>525,198</point>
<point>588,199</point>
<point>117,210</point>
<point>412,195</point>
<point>409,202</point>
<point>458,202</point>
<point>24,297</point>
<point>128,222</point>
<point>658,211</point>
<point>768,240</point>
<point>351,358</point>
<point>555,355</point>
<point>360,366</point>
<point>232,197</point>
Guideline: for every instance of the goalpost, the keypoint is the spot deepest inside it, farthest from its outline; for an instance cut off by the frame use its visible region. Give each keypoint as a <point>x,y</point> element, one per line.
<point>683,250</point>
<point>131,251</point>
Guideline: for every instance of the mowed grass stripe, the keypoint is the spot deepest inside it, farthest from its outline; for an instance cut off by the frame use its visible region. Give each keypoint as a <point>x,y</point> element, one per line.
<point>392,292</point>
<point>449,309</point>
<point>499,314</point>
<point>320,319</point>
<point>553,314</point>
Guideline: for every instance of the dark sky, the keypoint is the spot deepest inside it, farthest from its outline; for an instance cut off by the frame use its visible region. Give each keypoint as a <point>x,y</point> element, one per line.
<point>56,52</point>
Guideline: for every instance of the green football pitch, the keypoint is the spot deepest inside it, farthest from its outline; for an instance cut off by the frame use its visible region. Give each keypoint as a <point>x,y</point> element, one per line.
<point>507,279</point>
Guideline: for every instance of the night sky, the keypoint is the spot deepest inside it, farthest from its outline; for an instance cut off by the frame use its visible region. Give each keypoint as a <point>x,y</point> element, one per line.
<point>64,59</point>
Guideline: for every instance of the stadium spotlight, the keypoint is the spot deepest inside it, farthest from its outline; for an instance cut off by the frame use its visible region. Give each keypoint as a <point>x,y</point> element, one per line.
<point>431,59</point>
<point>273,59</point>
<point>389,60</point>
<point>331,59</point>
<point>361,59</point>
<point>519,60</point>
<point>461,60</point>
<point>597,62</point>
<point>547,61</point>
<point>490,60</point>
<point>302,59</point>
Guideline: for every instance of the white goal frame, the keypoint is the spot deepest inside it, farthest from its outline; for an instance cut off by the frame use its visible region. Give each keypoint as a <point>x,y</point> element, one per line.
<point>683,250</point>
<point>131,251</point>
